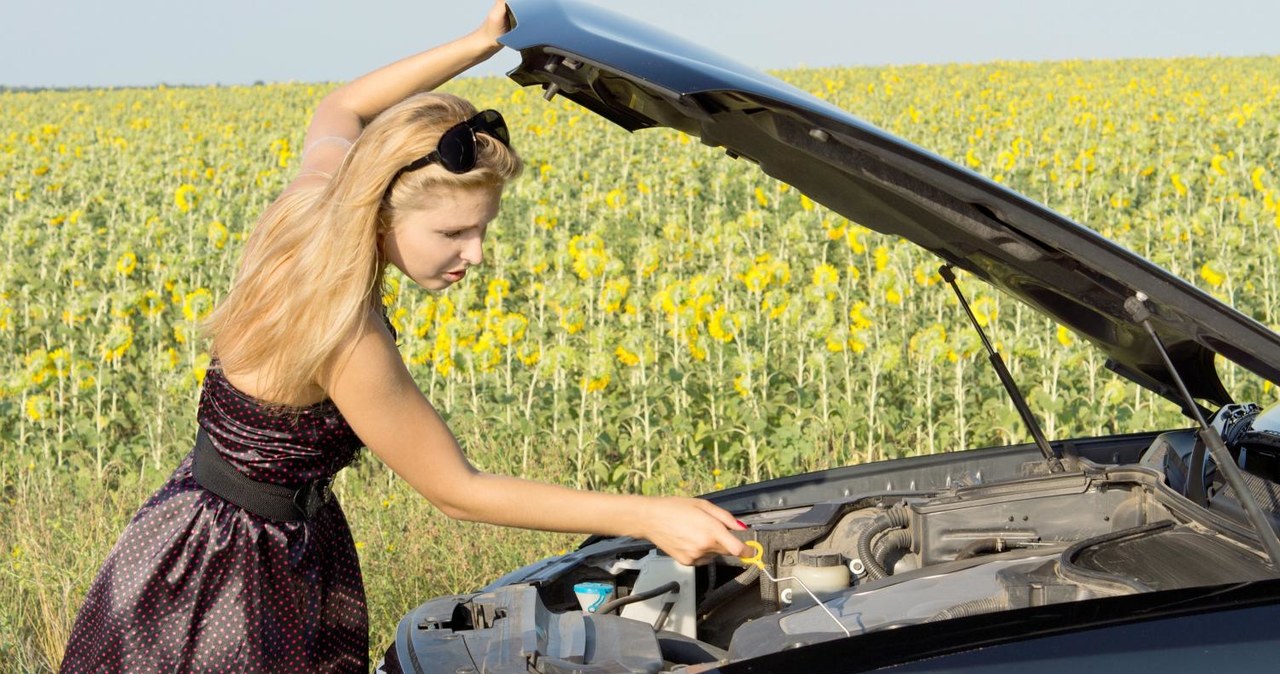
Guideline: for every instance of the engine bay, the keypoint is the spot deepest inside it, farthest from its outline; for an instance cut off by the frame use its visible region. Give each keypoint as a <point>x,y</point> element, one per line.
<point>871,561</point>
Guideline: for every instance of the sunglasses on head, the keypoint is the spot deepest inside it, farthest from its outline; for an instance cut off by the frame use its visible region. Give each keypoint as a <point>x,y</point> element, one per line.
<point>456,149</point>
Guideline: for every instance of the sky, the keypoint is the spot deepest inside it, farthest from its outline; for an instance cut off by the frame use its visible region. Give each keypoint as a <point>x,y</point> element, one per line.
<point>71,43</point>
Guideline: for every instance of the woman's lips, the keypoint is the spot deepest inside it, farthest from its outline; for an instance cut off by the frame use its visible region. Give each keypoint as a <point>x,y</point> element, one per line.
<point>455,276</point>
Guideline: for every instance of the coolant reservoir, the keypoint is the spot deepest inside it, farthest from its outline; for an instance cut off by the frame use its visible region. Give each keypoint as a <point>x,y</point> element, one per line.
<point>822,571</point>
<point>656,570</point>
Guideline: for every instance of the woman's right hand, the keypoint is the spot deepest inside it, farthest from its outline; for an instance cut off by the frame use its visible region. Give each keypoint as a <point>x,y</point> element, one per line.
<point>689,530</point>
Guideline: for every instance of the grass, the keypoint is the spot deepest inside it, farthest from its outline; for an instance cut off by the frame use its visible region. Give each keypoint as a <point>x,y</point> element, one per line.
<point>59,526</point>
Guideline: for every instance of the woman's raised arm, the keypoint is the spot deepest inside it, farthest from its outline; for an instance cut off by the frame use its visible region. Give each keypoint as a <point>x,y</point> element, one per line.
<point>342,114</point>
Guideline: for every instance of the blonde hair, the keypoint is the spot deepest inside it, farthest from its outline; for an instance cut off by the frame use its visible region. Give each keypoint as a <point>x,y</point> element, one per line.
<point>312,267</point>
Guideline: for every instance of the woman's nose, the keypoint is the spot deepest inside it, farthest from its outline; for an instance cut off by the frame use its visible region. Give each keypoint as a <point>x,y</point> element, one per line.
<point>473,250</point>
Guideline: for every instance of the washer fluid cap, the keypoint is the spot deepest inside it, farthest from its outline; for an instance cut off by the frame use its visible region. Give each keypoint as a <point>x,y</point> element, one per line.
<point>820,558</point>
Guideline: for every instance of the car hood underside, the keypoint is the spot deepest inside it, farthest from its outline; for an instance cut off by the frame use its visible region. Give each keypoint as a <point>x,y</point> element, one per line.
<point>639,77</point>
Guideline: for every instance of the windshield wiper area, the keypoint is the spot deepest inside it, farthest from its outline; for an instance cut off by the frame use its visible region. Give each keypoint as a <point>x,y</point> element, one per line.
<point>1137,308</point>
<point>1050,456</point>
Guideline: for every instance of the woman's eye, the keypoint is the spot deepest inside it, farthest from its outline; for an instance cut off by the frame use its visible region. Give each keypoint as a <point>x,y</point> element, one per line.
<point>454,234</point>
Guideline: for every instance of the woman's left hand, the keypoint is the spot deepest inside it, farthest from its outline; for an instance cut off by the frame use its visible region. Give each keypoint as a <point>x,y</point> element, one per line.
<point>494,25</point>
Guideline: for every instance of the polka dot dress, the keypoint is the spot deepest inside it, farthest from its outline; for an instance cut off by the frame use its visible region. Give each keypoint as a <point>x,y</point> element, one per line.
<point>198,584</point>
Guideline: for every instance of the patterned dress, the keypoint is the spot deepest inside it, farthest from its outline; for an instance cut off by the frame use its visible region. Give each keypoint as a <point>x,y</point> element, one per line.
<point>198,584</point>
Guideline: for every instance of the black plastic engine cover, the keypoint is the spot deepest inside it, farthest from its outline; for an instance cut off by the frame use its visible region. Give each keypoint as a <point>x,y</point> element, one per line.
<point>510,630</point>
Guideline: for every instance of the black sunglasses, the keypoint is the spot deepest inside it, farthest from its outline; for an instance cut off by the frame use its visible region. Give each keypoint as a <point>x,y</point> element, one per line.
<point>456,150</point>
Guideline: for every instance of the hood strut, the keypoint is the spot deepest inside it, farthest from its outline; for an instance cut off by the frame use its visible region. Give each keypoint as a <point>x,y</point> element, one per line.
<point>1050,456</point>
<point>1136,306</point>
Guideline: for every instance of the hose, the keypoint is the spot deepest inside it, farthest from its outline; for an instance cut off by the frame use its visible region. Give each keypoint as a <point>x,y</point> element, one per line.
<point>893,518</point>
<point>898,539</point>
<point>634,597</point>
<point>715,598</point>
<point>981,547</point>
<point>662,615</point>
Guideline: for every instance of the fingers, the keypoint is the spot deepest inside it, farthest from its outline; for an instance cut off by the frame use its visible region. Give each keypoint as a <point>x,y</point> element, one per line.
<point>722,515</point>
<point>496,22</point>
<point>499,14</point>
<point>731,544</point>
<point>694,531</point>
<point>724,541</point>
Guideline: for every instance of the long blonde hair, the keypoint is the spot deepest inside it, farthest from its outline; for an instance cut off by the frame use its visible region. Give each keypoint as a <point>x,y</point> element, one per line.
<point>312,267</point>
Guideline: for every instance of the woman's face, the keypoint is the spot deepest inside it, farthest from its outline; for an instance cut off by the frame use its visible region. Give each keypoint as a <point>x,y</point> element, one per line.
<point>435,245</point>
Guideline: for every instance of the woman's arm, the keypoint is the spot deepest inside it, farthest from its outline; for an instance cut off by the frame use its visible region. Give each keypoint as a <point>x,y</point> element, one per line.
<point>383,404</point>
<point>342,114</point>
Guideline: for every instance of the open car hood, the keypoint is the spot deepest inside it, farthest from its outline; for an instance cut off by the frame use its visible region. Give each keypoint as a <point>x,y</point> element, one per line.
<point>640,77</point>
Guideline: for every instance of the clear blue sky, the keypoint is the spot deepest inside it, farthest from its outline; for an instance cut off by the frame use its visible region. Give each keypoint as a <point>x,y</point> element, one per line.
<point>145,42</point>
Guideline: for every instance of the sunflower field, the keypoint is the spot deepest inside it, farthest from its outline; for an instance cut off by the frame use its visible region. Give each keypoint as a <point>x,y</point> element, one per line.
<point>652,317</point>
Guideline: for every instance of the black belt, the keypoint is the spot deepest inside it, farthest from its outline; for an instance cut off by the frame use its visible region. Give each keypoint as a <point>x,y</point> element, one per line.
<point>273,501</point>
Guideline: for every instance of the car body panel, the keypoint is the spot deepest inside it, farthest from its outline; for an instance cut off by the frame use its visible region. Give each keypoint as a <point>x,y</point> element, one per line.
<point>1190,630</point>
<point>640,77</point>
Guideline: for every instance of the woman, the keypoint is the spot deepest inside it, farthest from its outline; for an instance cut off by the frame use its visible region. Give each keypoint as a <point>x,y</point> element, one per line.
<point>242,561</point>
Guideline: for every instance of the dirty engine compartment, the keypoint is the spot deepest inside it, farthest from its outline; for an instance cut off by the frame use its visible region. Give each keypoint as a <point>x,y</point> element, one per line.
<point>877,560</point>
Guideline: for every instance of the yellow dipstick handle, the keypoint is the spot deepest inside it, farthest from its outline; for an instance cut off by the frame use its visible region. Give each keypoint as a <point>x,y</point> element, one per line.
<point>758,558</point>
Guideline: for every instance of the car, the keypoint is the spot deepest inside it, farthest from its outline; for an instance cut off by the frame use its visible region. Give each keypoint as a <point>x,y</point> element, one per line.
<point>1149,549</point>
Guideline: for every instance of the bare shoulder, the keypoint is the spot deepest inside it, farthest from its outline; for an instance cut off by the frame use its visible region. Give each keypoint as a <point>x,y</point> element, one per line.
<point>379,398</point>
<point>368,366</point>
<point>260,382</point>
